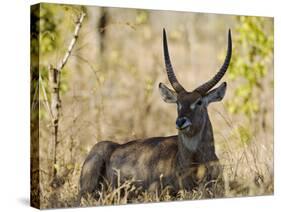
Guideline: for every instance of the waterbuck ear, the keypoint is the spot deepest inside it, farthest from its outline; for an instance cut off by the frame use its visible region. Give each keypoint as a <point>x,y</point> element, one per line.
<point>167,94</point>
<point>216,94</point>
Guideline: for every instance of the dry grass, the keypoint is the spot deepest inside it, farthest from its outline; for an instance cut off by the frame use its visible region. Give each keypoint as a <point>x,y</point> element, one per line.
<point>258,183</point>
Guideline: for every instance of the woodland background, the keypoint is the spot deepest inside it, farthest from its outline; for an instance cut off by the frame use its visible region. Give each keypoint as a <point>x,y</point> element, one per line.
<point>109,91</point>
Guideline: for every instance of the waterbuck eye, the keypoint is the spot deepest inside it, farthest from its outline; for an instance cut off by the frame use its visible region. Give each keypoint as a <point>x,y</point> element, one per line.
<point>199,102</point>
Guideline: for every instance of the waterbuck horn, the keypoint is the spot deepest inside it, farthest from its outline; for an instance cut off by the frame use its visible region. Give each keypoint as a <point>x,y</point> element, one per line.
<point>169,68</point>
<point>203,89</point>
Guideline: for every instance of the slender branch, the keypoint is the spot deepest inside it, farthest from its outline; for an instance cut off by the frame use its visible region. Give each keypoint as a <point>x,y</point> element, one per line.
<point>72,42</point>
<point>55,80</point>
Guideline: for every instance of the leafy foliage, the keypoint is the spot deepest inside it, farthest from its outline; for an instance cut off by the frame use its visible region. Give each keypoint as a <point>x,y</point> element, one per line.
<point>251,60</point>
<point>142,17</point>
<point>50,23</point>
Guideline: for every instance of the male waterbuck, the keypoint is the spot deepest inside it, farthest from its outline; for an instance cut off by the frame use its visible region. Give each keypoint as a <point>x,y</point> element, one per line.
<point>183,161</point>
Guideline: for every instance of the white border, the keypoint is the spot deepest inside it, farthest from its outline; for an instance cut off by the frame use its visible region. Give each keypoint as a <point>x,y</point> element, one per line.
<point>14,112</point>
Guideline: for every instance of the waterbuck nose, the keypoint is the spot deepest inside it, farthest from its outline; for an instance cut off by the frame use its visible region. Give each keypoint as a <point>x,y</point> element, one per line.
<point>182,123</point>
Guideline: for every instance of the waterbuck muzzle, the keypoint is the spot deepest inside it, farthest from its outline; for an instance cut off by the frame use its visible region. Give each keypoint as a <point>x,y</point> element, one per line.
<point>182,123</point>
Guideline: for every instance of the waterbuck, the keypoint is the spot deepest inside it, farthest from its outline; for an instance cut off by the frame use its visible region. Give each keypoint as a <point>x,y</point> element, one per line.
<point>182,161</point>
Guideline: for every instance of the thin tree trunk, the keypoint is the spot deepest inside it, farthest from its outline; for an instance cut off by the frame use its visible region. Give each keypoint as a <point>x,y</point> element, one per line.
<point>54,80</point>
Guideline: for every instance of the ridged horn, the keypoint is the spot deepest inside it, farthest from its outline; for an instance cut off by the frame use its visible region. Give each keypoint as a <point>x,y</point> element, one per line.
<point>203,89</point>
<point>169,68</point>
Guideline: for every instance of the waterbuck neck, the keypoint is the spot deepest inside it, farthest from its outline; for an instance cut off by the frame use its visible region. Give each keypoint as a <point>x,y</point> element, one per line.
<point>199,147</point>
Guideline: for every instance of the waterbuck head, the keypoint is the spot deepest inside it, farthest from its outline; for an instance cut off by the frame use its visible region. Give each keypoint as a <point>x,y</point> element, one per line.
<point>192,105</point>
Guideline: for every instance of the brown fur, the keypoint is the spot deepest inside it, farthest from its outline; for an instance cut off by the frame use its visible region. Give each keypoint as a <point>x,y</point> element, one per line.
<point>151,163</point>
